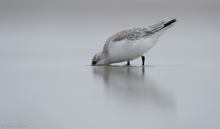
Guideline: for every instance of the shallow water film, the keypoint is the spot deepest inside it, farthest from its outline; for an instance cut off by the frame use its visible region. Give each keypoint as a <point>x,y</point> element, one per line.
<point>46,81</point>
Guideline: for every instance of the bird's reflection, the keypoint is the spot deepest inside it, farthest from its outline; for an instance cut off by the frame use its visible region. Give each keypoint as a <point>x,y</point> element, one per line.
<point>130,84</point>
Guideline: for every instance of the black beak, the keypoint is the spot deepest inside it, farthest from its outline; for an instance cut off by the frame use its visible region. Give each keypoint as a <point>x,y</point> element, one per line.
<point>169,22</point>
<point>94,63</point>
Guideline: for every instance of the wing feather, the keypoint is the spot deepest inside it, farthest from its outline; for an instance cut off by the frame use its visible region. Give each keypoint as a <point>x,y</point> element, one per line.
<point>129,35</point>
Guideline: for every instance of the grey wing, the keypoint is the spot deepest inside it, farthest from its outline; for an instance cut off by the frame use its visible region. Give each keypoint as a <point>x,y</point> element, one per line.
<point>133,34</point>
<point>129,35</point>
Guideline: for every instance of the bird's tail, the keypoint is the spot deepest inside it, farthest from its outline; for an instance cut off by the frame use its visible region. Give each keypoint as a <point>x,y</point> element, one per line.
<point>163,25</point>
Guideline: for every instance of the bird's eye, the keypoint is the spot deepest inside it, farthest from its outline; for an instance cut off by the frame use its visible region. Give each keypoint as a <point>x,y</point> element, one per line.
<point>94,62</point>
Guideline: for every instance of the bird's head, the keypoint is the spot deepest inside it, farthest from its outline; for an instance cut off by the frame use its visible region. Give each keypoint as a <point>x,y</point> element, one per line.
<point>98,59</point>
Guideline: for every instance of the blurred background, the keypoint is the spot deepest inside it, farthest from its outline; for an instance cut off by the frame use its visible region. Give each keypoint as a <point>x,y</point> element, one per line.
<point>73,31</point>
<point>46,48</point>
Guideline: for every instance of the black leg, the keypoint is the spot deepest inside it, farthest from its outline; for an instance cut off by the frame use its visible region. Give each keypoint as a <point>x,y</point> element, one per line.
<point>143,60</point>
<point>128,62</point>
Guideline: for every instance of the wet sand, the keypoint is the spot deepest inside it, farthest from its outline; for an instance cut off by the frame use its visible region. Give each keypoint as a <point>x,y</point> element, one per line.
<point>46,81</point>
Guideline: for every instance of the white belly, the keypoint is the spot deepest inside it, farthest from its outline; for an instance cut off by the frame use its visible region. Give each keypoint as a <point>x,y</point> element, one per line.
<point>127,50</point>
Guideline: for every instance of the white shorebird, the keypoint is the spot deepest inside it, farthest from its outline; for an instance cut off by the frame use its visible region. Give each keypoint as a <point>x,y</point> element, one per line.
<point>130,44</point>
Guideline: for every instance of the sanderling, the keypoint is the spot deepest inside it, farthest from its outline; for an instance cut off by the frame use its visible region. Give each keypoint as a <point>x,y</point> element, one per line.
<point>130,44</point>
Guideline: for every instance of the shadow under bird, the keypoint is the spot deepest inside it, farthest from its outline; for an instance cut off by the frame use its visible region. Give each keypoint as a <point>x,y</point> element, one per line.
<point>130,44</point>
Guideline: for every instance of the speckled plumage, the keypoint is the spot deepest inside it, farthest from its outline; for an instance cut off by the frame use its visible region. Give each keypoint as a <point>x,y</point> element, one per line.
<point>132,34</point>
